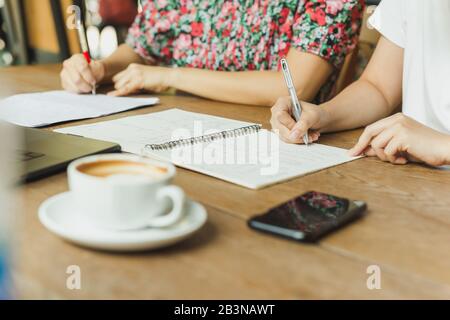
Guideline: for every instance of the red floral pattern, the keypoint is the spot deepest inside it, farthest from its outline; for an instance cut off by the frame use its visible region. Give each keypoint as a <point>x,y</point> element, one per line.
<point>237,35</point>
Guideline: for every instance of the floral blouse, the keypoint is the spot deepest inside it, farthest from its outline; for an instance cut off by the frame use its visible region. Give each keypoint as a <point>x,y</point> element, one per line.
<point>240,35</point>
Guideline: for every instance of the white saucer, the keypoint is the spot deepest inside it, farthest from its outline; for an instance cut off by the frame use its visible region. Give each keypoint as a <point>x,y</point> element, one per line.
<point>58,216</point>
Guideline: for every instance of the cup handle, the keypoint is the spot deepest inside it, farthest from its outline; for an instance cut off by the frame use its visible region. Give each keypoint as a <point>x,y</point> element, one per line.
<point>178,198</point>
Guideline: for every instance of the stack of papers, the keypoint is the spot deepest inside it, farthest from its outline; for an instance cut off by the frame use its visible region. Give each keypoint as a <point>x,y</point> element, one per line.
<point>42,109</point>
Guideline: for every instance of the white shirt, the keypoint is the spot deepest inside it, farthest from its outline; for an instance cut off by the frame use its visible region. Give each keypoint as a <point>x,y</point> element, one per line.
<point>422,29</point>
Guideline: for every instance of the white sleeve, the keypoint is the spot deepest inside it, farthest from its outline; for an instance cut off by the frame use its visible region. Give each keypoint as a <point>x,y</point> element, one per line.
<point>389,20</point>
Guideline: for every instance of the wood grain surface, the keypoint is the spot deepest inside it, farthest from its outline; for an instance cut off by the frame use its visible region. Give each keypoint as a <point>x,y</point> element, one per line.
<point>406,232</point>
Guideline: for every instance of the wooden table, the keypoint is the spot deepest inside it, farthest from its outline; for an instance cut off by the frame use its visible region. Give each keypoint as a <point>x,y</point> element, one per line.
<point>406,233</point>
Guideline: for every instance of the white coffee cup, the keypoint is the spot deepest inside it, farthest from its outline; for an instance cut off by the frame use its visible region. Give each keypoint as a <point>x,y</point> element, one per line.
<point>125,192</point>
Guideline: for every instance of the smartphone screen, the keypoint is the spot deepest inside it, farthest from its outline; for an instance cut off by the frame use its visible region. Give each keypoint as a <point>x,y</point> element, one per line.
<point>309,217</point>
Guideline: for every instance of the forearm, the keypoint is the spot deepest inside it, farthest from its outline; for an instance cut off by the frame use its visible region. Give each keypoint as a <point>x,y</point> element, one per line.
<point>247,87</point>
<point>357,106</point>
<point>262,88</point>
<point>119,61</point>
<point>377,94</point>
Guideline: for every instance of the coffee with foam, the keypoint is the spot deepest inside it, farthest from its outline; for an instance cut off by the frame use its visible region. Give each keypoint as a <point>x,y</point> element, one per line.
<point>108,168</point>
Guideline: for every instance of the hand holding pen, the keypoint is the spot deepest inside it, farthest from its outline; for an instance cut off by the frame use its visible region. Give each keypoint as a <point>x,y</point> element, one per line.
<point>309,119</point>
<point>86,53</point>
<point>80,76</point>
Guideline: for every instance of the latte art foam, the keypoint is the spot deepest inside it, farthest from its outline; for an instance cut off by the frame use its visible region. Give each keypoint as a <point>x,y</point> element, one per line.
<point>109,168</point>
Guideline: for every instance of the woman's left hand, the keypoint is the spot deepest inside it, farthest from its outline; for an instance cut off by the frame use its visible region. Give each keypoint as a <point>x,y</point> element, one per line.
<point>138,77</point>
<point>400,139</point>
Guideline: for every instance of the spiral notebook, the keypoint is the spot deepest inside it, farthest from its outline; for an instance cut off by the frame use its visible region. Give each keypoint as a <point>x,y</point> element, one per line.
<point>235,151</point>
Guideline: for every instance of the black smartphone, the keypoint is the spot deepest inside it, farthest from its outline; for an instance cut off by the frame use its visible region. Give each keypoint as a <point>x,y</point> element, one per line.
<point>309,217</point>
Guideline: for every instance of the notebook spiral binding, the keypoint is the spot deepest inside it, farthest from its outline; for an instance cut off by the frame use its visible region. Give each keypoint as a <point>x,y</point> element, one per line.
<point>206,138</point>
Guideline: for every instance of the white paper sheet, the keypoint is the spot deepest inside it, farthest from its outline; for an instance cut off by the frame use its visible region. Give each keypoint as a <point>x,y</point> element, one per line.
<point>46,108</point>
<point>254,160</point>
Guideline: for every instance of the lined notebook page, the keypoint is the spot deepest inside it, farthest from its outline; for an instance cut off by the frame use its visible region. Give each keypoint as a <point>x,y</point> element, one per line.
<point>134,133</point>
<point>269,166</point>
<point>255,160</point>
<point>46,108</point>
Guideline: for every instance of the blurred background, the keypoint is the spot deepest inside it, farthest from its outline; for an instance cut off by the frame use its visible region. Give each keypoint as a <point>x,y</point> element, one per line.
<point>39,31</point>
